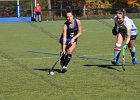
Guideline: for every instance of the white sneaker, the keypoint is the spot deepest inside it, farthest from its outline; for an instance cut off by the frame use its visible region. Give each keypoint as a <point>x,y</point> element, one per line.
<point>63,69</point>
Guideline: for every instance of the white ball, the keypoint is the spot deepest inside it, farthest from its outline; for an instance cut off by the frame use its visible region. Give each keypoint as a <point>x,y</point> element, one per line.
<point>51,73</point>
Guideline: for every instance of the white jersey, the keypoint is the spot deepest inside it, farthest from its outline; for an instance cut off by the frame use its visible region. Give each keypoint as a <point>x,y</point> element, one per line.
<point>129,25</point>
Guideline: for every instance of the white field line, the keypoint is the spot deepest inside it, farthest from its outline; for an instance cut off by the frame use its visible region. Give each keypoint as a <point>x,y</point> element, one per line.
<point>93,30</point>
<point>40,58</point>
<point>54,57</point>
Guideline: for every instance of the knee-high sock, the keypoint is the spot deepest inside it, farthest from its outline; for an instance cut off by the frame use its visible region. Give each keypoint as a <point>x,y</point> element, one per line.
<point>117,51</point>
<point>116,55</point>
<point>67,59</point>
<point>62,59</point>
<point>133,53</point>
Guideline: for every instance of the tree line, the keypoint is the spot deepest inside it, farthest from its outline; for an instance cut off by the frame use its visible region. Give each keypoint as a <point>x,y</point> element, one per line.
<point>76,5</point>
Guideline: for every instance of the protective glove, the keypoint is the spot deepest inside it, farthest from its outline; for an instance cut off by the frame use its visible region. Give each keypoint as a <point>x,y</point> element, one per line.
<point>114,31</point>
<point>123,29</point>
<point>125,46</point>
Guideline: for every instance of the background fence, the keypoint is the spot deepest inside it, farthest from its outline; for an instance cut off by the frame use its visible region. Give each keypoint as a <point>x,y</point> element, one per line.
<point>87,14</point>
<point>26,8</point>
<point>8,8</point>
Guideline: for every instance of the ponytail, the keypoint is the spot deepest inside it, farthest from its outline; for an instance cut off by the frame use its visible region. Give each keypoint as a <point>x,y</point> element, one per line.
<point>68,10</point>
<point>122,12</point>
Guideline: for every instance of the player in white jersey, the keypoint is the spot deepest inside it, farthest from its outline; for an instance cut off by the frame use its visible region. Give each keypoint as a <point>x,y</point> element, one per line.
<point>126,31</point>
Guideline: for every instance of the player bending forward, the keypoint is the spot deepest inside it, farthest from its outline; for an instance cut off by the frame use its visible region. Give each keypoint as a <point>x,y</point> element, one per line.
<point>126,31</point>
<point>71,31</point>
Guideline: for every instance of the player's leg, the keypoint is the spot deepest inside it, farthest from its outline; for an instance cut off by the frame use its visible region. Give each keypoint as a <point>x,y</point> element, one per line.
<point>64,56</point>
<point>132,49</point>
<point>39,17</point>
<point>61,53</point>
<point>36,17</point>
<point>69,55</point>
<point>117,49</point>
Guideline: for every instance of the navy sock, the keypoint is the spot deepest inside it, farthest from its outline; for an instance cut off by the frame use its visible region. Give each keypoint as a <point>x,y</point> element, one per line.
<point>67,59</point>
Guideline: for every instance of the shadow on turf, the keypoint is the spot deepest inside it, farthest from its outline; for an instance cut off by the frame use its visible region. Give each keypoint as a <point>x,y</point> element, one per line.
<point>103,66</point>
<point>48,70</point>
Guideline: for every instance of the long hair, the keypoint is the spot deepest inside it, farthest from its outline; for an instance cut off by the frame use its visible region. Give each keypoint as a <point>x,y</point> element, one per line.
<point>68,10</point>
<point>122,12</point>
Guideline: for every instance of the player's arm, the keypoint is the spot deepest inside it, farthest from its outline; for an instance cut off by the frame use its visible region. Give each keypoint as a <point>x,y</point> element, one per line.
<point>128,26</point>
<point>79,30</point>
<point>128,36</point>
<point>114,30</point>
<point>64,38</point>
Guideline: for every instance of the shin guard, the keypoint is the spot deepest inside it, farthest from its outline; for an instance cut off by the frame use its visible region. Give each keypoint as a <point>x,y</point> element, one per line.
<point>117,51</point>
<point>133,53</point>
<point>62,59</point>
<point>67,59</point>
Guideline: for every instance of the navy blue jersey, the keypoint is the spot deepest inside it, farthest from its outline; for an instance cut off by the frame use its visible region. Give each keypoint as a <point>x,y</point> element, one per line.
<point>71,32</point>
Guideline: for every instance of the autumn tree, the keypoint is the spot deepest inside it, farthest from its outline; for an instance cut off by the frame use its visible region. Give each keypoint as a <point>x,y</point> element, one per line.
<point>133,3</point>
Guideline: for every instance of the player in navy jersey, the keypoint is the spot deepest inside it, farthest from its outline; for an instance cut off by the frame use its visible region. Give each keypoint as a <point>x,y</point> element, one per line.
<point>126,31</point>
<point>72,29</point>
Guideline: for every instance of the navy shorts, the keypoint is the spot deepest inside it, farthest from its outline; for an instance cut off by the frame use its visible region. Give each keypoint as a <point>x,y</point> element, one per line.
<point>133,37</point>
<point>67,40</point>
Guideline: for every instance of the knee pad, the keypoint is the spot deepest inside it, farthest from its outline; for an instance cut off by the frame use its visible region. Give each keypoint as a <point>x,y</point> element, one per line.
<point>117,47</point>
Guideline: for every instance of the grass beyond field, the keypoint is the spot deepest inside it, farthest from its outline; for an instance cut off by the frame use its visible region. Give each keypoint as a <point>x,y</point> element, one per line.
<point>29,50</point>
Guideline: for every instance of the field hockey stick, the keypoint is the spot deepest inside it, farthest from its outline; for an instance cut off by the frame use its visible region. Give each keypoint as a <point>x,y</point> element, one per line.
<point>123,58</point>
<point>61,55</point>
<point>52,68</point>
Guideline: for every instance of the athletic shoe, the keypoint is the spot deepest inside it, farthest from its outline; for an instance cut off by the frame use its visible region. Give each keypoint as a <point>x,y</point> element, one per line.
<point>114,62</point>
<point>134,61</point>
<point>63,69</point>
